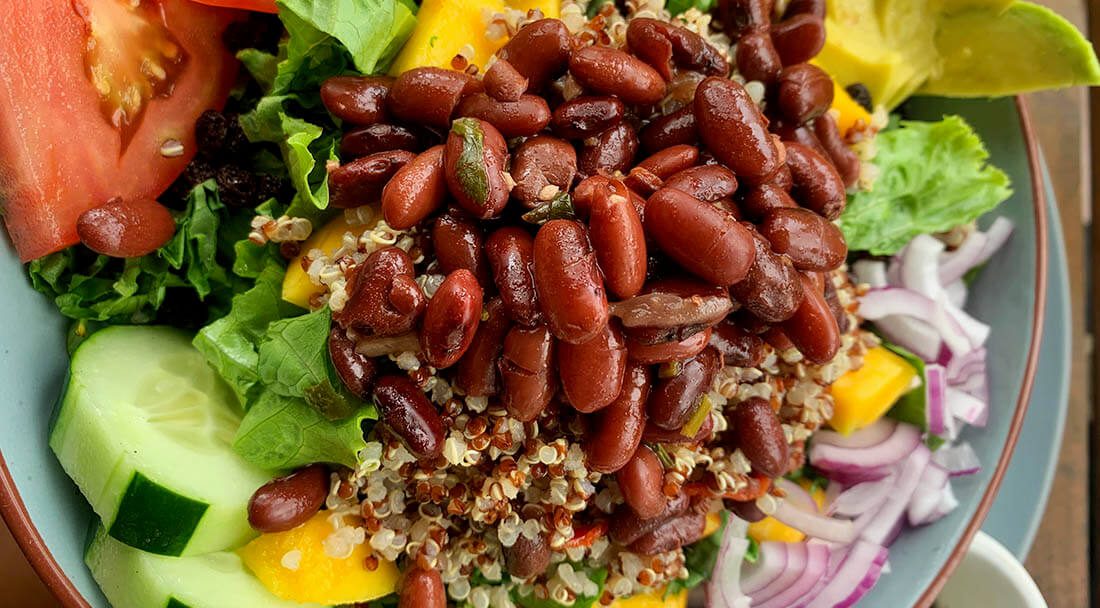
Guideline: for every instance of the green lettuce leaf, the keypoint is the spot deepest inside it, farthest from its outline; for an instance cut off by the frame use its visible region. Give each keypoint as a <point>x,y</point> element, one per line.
<point>699,560</point>
<point>280,433</point>
<point>933,177</point>
<point>679,6</point>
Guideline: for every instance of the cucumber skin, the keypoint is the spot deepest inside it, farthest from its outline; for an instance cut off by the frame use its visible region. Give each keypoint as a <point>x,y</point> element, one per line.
<point>155,519</point>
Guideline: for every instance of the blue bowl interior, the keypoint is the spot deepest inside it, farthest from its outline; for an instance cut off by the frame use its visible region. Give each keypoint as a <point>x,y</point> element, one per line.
<point>33,364</point>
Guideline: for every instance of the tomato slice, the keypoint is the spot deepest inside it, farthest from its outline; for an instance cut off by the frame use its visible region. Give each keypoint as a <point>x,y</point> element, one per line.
<point>263,6</point>
<point>97,100</point>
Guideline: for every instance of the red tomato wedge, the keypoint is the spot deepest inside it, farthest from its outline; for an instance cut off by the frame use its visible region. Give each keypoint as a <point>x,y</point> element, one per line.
<point>263,6</point>
<point>96,99</point>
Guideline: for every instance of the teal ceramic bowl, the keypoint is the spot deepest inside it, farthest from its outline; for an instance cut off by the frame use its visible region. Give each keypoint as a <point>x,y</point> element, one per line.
<point>50,519</point>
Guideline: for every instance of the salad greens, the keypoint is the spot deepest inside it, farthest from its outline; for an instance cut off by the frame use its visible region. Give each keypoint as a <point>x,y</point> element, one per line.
<point>699,560</point>
<point>597,575</point>
<point>933,176</point>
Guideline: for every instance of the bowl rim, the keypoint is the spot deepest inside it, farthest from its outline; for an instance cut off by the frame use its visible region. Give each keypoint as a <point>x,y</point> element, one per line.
<point>14,511</point>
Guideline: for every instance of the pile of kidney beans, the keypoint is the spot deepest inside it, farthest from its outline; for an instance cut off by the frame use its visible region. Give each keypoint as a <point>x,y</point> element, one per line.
<point>598,253</point>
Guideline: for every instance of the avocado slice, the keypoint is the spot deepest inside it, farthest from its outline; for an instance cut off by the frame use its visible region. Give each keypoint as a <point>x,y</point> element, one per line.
<point>1024,48</point>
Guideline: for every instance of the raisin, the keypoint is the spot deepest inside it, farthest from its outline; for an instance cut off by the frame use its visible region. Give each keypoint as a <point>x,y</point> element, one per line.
<point>861,95</point>
<point>236,187</point>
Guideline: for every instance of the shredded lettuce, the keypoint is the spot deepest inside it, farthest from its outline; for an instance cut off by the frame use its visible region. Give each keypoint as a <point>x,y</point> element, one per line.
<point>933,176</point>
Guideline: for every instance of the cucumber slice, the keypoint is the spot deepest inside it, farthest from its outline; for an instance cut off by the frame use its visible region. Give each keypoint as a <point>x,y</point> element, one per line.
<point>145,430</point>
<point>135,579</point>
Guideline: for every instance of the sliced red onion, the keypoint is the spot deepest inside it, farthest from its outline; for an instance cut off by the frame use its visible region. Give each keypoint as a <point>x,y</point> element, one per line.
<point>794,557</point>
<point>918,266</point>
<point>723,589</point>
<point>957,293</point>
<point>915,335</point>
<point>862,497</point>
<point>870,435</point>
<point>959,262</point>
<point>926,498</point>
<point>817,561</point>
<point>857,575</point>
<point>890,301</point>
<point>966,407</point>
<point>815,525</point>
<point>871,272</point>
<point>887,521</point>
<point>871,460</point>
<point>797,495</point>
<point>965,366</point>
<point>770,566</point>
<point>958,460</point>
<point>935,388</point>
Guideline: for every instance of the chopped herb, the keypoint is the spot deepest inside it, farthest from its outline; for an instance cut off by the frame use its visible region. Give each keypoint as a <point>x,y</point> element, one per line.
<point>470,166</point>
<point>558,208</point>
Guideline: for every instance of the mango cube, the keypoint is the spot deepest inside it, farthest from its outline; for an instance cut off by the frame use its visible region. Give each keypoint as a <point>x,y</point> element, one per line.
<point>864,395</point>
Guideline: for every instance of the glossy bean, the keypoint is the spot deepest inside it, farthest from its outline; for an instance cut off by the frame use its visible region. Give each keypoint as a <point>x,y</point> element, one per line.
<point>844,158</point>
<point>527,557</point>
<point>734,130</point>
<point>843,322</point>
<point>427,95</point>
<point>674,303</point>
<point>415,191</point>
<point>451,319</point>
<point>671,161</point>
<point>803,134</point>
<point>379,138</point>
<point>615,432</point>
<point>626,527</point>
<point>816,184</point>
<point>539,162</point>
<point>674,399</point>
<point>812,242</point>
<point>664,352</point>
<point>474,163</point>
<point>527,377</point>
<point>813,328</point>
<point>587,116</point>
<point>655,434</point>
<point>607,71</point>
<point>782,177</point>
<point>777,339</point>
<point>570,288</point>
<point>521,118</point>
<point>765,198</point>
<point>592,372</point>
<point>643,181</point>
<point>757,58</point>
<point>708,183</point>
<point>755,429</point>
<point>672,534</point>
<point>663,45</point>
<point>772,290</point>
<point>422,589</point>
<point>669,130</point>
<point>126,228</point>
<point>641,482</point>
<point>384,299</point>
<point>287,502</point>
<point>613,150</point>
<point>358,100</point>
<point>745,510</point>
<point>504,82</point>
<point>539,51</point>
<point>477,374</point>
<point>706,241</point>
<point>805,92</point>
<point>809,7</point>
<point>511,256</point>
<point>361,181</point>
<point>739,347</point>
<point>740,16</point>
<point>585,193</point>
<point>458,243</point>
<point>799,38</point>
<point>356,371</point>
<point>618,240</point>
<point>408,413</point>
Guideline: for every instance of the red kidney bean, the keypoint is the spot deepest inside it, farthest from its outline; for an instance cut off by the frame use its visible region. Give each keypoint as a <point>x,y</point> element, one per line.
<point>570,288</point>
<point>673,534</point>
<point>655,434</point>
<point>384,300</point>
<point>359,100</point>
<point>642,180</point>
<point>585,193</point>
<point>757,57</point>
<point>839,312</point>
<point>521,118</point>
<point>619,240</point>
<point>539,51</point>
<point>671,161</point>
<point>669,130</point>
<point>777,339</point>
<point>592,372</point>
<point>739,348</point>
<point>526,372</point>
<point>740,16</point>
<point>755,429</point>
<point>805,92</point>
<point>427,95</point>
<point>613,150</point>
<point>664,352</point>
<point>415,191</point>
<point>457,241</point>
<point>586,116</point>
<point>772,290</point>
<point>782,177</point>
<point>748,321</point>
<point>641,482</point>
<point>746,510</point>
<point>706,241</point>
<point>287,502</point>
<point>474,162</point>
<point>803,134</point>
<point>361,181</point>
<point>734,130</point>
<point>764,199</point>
<point>817,185</point>
<point>660,44</point>
<point>813,329</point>
<point>609,71</point>
<point>408,413</point>
<point>422,589</point>
<point>356,371</point>
<point>504,82</point>
<point>378,138</point>
<point>511,254</point>
<point>451,319</point>
<point>674,399</point>
<point>818,280</point>
<point>708,183</point>
<point>540,162</point>
<point>528,557</point>
<point>674,303</point>
<point>799,38</point>
<point>615,432</point>
<point>126,228</point>
<point>810,7</point>
<point>844,158</point>
<point>476,374</point>
<point>626,527</point>
<point>811,241</point>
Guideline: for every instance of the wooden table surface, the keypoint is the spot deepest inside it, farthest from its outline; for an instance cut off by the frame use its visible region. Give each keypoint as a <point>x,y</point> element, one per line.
<point>1059,558</point>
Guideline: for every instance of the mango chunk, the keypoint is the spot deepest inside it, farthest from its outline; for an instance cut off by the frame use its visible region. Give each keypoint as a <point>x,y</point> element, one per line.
<point>653,600</point>
<point>849,113</point>
<point>864,395</point>
<point>443,28</point>
<point>293,565</point>
<point>297,288</point>
<point>714,521</point>
<point>771,529</point>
